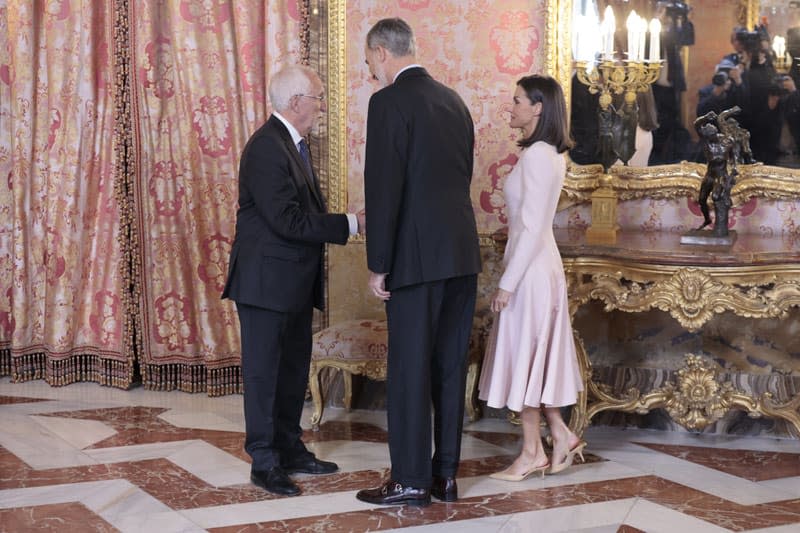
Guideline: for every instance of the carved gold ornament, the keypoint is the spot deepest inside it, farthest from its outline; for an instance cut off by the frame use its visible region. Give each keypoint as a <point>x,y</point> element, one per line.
<point>697,400</point>
<point>374,369</point>
<point>336,77</point>
<point>676,181</point>
<point>691,296</point>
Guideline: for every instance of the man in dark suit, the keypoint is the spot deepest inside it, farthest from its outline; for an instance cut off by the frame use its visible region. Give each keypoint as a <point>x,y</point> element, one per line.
<point>275,276</point>
<point>423,257</point>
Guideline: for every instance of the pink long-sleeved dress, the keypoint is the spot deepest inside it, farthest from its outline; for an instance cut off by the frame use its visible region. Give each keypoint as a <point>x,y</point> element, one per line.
<point>530,358</point>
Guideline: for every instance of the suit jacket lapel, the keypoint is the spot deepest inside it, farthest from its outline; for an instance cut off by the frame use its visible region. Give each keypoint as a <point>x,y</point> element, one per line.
<point>299,163</point>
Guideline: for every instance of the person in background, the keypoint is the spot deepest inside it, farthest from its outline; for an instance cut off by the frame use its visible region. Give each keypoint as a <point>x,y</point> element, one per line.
<point>790,132</point>
<point>647,122</point>
<point>531,364</point>
<point>584,124</point>
<point>725,91</point>
<point>671,138</point>
<point>275,276</point>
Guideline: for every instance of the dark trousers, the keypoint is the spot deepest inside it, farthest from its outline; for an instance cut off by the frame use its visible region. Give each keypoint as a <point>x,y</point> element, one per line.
<point>276,353</point>
<point>429,330</point>
<point>666,145</point>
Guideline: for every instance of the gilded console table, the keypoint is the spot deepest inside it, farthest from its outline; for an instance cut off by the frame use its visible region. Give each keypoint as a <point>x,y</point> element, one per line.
<point>758,277</point>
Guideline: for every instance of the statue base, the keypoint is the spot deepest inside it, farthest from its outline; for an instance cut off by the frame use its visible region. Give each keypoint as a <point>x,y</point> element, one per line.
<point>707,238</point>
<point>601,235</point>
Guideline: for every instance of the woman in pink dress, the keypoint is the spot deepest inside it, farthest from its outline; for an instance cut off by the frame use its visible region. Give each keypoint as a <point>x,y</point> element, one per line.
<point>531,364</point>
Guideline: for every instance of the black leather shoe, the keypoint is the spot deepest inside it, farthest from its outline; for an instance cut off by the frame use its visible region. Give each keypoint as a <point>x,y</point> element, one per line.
<point>444,489</point>
<point>394,493</point>
<point>275,481</point>
<point>309,465</point>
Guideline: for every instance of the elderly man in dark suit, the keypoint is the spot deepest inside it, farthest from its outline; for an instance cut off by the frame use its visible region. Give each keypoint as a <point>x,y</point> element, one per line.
<point>423,257</point>
<point>275,277</point>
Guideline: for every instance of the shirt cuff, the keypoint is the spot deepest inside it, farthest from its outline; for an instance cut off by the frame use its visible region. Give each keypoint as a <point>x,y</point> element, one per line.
<point>352,221</point>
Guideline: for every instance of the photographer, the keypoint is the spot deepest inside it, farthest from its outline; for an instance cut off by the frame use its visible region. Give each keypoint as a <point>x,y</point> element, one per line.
<point>789,104</point>
<point>781,111</point>
<point>671,139</point>
<point>725,91</point>
<point>793,48</point>
<point>745,45</point>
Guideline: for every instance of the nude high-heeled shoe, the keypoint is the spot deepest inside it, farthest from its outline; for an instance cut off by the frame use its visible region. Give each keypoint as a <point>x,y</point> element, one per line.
<point>576,450</point>
<point>520,477</point>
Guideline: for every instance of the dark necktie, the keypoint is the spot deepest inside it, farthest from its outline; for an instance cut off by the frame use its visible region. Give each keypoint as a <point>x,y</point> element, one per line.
<point>306,155</point>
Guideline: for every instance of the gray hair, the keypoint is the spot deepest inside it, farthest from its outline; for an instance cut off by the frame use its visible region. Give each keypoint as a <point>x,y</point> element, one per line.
<point>395,35</point>
<point>287,82</point>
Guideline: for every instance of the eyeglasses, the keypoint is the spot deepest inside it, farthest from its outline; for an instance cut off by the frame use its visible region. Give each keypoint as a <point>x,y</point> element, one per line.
<point>321,98</point>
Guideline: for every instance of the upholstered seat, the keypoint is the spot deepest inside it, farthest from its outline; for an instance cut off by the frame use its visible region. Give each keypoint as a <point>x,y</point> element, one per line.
<point>360,347</point>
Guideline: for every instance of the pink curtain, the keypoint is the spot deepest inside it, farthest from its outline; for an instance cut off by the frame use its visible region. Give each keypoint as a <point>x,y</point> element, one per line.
<point>61,297</point>
<point>199,91</point>
<point>121,125</point>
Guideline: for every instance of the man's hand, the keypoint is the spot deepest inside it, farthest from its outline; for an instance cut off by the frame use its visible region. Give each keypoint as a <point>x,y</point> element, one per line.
<point>500,300</point>
<point>736,74</point>
<point>376,285</point>
<point>361,216</point>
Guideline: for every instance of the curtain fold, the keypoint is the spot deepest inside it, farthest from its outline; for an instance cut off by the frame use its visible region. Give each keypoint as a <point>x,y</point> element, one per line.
<point>61,300</point>
<point>121,126</point>
<point>199,90</point>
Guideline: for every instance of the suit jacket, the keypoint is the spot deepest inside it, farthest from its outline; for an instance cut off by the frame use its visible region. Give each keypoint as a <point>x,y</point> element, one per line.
<point>281,226</point>
<point>417,174</point>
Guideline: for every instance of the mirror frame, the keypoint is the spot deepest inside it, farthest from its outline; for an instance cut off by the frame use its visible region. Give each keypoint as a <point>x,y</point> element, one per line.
<point>664,181</point>
<point>336,91</point>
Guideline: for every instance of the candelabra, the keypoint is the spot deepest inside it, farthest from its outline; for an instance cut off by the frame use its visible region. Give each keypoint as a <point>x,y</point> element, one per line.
<point>783,64</point>
<point>617,129</point>
<point>611,78</point>
<point>783,61</point>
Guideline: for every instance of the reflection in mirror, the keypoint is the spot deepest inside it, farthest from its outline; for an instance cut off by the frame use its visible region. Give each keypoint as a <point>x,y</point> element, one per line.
<point>782,20</point>
<point>713,61</point>
<point>659,134</point>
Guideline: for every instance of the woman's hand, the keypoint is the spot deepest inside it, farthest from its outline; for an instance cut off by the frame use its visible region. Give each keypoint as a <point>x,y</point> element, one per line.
<point>500,300</point>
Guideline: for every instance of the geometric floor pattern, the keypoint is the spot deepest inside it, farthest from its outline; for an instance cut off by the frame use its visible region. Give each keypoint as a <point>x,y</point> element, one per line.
<point>90,458</point>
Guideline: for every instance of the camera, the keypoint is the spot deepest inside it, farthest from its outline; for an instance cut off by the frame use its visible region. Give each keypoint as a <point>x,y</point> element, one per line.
<point>674,8</point>
<point>676,17</point>
<point>751,40</point>
<point>720,78</point>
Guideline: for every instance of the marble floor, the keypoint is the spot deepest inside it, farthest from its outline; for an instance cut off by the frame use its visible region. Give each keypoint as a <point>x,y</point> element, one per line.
<point>90,458</point>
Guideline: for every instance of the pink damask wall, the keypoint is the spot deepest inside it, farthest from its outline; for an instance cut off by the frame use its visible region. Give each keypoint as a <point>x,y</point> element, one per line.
<point>478,47</point>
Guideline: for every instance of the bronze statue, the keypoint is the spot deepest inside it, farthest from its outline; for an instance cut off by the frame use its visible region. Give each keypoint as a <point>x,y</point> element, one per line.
<point>629,119</point>
<point>610,126</point>
<point>741,137</point>
<point>719,148</point>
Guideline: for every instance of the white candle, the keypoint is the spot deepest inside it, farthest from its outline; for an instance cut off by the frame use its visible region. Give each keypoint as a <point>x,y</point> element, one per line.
<point>655,40</point>
<point>632,23</point>
<point>610,28</point>
<point>594,40</point>
<point>642,35</point>
<point>779,46</point>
